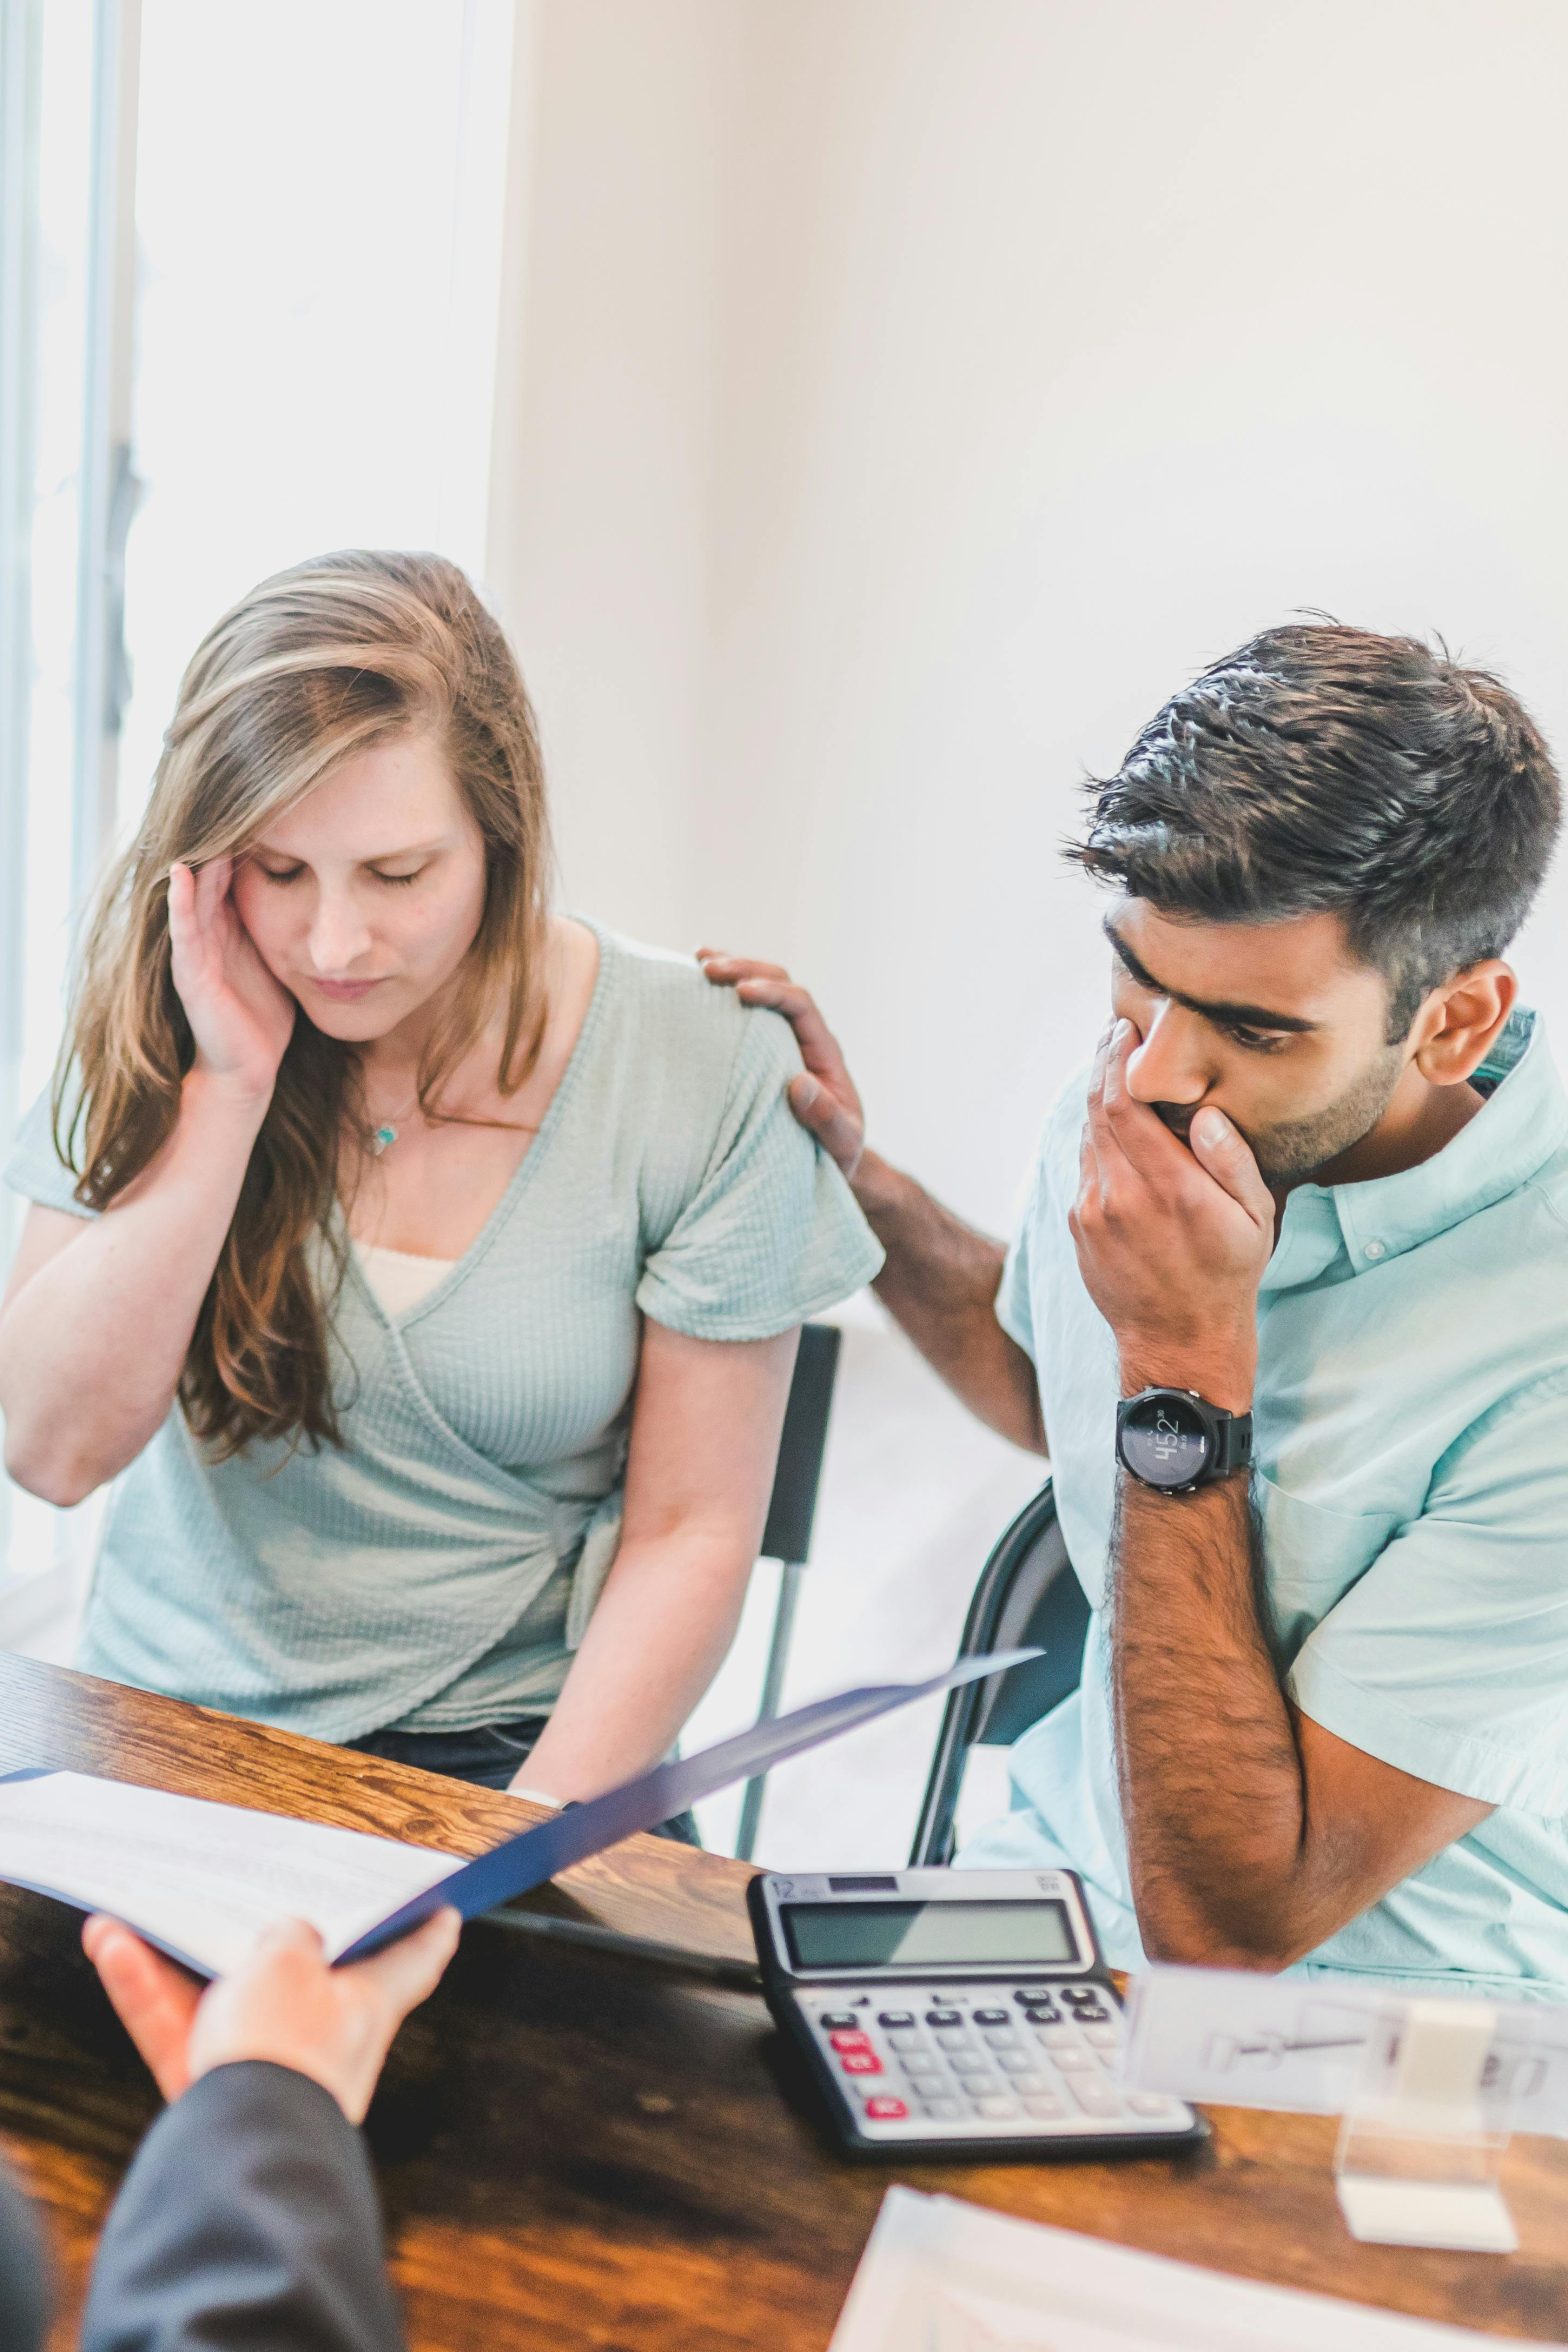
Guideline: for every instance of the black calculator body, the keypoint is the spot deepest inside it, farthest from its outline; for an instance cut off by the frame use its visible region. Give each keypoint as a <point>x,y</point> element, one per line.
<point>956,2013</point>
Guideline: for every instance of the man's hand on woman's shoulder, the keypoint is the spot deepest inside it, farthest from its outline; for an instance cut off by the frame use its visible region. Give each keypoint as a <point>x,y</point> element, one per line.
<point>824,1097</point>
<point>939,1280</point>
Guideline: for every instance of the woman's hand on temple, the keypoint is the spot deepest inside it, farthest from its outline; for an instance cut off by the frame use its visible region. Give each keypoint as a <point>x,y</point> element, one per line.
<point>824,1098</point>
<point>241,1018</point>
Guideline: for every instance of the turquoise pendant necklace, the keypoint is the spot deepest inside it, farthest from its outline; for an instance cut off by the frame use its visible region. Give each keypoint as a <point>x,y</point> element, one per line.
<point>385,1136</point>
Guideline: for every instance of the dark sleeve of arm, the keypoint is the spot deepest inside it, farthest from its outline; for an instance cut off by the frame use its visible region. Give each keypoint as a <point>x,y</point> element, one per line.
<point>247,2223</point>
<point>23,2299</point>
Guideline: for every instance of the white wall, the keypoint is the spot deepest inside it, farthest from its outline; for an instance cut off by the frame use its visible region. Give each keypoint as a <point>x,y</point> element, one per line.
<point>907,396</point>
<point>611,359</point>
<point>912,395</point>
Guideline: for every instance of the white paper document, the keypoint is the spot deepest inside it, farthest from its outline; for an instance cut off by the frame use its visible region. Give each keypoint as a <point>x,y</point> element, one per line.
<point>941,2276</point>
<point>1236,2039</point>
<point>203,1880</point>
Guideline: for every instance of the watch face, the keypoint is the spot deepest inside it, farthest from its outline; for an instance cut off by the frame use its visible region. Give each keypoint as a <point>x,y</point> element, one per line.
<point>1164,1441</point>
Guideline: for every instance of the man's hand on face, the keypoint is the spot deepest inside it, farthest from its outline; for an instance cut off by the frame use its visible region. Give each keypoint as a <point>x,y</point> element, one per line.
<point>823,1098</point>
<point>284,2005</point>
<point>1172,1242</point>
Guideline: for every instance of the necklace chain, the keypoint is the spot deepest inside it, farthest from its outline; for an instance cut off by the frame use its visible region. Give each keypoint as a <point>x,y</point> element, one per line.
<point>386,1135</point>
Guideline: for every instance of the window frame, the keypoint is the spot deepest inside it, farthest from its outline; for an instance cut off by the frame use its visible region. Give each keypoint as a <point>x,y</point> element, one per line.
<point>43,1586</point>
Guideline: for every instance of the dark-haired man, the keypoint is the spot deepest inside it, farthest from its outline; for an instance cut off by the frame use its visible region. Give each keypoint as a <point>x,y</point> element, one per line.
<point>1290,1303</point>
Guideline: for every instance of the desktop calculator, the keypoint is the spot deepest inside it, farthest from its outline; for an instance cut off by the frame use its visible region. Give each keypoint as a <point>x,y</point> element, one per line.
<point>956,2013</point>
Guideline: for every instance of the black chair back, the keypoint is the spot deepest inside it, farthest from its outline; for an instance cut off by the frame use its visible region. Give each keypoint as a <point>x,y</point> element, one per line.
<point>1027,1595</point>
<point>786,1538</point>
<point>802,1443</point>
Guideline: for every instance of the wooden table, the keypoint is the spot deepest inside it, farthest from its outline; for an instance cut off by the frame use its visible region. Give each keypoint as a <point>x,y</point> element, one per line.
<point>578,2150</point>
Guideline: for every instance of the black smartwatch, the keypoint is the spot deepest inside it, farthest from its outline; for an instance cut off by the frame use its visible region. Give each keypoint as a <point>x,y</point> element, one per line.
<point>1174,1439</point>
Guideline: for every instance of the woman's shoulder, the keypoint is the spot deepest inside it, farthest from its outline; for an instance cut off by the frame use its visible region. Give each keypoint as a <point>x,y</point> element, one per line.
<point>746,1227</point>
<point>683,1030</point>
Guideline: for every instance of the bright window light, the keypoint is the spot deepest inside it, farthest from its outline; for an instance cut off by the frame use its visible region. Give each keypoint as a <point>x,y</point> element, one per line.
<point>49,65</point>
<point>313,288</point>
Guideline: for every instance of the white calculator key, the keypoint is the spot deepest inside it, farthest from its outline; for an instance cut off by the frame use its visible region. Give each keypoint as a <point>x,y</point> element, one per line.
<point>1045,2109</point>
<point>995,2109</point>
<point>1016,2062</point>
<point>1057,2037</point>
<point>1001,2041</point>
<point>1094,2098</point>
<point>942,2110</point>
<point>903,2040</point>
<point>1073,2061</point>
<point>1103,2037</point>
<point>970,2062</point>
<point>952,2040</point>
<point>1032,2086</point>
<point>923,2062</point>
<point>1146,2103</point>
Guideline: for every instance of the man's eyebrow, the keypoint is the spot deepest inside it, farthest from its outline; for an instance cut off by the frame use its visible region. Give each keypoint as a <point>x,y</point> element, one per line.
<point>1247,1016</point>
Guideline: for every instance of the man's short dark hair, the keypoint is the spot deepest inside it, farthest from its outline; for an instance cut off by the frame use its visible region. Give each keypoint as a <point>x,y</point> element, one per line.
<point>1323,769</point>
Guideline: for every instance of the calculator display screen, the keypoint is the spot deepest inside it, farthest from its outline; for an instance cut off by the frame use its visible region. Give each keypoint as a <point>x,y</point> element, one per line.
<point>928,1935</point>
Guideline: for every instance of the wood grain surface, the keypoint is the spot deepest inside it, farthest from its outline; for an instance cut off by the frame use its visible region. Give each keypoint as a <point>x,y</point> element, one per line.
<point>577,2150</point>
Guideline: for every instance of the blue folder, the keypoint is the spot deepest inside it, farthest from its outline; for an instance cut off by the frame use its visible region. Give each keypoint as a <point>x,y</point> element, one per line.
<point>534,1855</point>
<point>527,1860</point>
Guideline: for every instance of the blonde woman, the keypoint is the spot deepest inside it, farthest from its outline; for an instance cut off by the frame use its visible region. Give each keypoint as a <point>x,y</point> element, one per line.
<point>424,1266</point>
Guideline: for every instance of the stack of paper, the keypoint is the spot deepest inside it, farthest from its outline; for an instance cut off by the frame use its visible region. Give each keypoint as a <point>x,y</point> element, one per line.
<point>202,1880</point>
<point>941,2276</point>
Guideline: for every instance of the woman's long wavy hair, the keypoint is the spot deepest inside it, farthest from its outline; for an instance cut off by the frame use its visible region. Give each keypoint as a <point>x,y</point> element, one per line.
<point>341,652</point>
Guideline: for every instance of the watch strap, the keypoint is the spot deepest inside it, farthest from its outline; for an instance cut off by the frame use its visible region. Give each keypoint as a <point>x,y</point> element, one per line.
<point>1233,1443</point>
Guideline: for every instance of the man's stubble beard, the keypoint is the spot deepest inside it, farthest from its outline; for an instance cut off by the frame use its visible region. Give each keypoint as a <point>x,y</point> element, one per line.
<point>1294,1150</point>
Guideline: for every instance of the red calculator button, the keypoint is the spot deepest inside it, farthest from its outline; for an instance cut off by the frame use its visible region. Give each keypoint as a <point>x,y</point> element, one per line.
<point>850,2041</point>
<point>886,2111</point>
<point>861,2062</point>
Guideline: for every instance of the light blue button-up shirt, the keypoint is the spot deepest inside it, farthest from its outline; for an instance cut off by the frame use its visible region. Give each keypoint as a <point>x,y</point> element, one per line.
<point>1412,1490</point>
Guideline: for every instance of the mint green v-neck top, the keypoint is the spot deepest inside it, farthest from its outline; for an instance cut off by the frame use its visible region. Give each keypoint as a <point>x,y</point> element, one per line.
<point>438,1570</point>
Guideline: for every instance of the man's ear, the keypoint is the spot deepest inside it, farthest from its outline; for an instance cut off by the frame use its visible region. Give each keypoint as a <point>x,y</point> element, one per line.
<point>1459,1023</point>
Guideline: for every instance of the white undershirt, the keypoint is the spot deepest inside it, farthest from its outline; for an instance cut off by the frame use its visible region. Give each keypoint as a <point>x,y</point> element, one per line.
<point>398,1279</point>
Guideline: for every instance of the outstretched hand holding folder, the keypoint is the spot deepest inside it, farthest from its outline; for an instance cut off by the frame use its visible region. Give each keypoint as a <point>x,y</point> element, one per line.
<point>202,1880</point>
